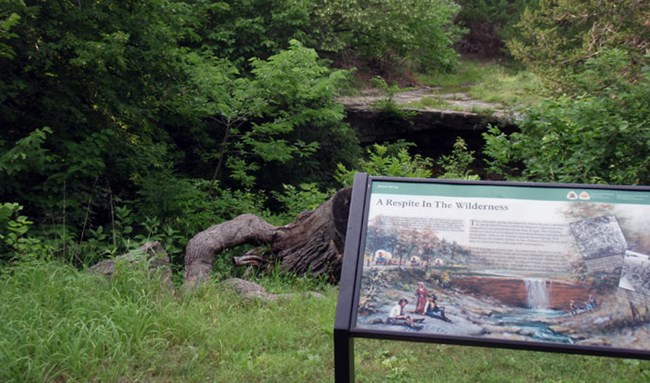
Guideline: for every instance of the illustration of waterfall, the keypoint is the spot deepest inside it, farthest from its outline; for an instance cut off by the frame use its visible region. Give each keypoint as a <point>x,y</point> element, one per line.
<point>538,295</point>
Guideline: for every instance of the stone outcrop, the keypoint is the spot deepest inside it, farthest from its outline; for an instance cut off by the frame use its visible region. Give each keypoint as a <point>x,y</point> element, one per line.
<point>434,131</point>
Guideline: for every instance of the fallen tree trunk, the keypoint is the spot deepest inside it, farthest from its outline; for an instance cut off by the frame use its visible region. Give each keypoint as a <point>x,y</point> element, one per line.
<point>313,244</point>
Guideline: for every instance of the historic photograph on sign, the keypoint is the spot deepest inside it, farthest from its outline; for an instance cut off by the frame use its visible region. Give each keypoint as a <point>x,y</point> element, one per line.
<point>557,265</point>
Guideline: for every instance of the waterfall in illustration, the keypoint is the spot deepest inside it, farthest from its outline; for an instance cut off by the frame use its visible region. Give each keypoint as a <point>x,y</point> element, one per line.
<point>539,297</point>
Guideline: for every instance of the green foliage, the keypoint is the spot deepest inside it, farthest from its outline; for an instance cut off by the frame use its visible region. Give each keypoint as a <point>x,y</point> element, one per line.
<point>489,24</point>
<point>298,93</point>
<point>395,160</point>
<point>457,164</point>
<point>181,111</point>
<point>284,113</point>
<point>515,89</point>
<point>8,20</point>
<point>173,209</point>
<point>27,156</point>
<point>555,39</point>
<point>98,76</point>
<point>387,105</point>
<point>380,32</point>
<point>305,197</point>
<point>383,33</point>
<point>601,136</point>
<point>97,244</point>
<point>127,91</point>
<point>241,29</point>
<point>169,211</point>
<point>302,130</point>
<point>167,198</point>
<point>388,160</point>
<point>14,241</point>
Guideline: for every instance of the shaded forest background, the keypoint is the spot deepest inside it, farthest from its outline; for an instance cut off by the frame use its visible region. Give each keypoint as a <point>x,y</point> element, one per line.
<point>130,121</point>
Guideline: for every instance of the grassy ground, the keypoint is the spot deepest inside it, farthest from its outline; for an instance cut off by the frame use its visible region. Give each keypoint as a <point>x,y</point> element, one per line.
<point>59,324</point>
<point>489,82</point>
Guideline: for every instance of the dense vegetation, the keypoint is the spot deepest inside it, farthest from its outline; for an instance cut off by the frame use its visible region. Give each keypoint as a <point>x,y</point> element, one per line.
<point>130,121</point>
<point>599,134</point>
<point>186,114</point>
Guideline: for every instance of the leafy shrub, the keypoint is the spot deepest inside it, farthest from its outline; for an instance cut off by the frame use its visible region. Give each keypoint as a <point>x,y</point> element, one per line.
<point>457,165</point>
<point>305,197</point>
<point>14,241</point>
<point>389,160</point>
<point>600,136</point>
<point>395,160</point>
<point>554,39</point>
<point>383,34</point>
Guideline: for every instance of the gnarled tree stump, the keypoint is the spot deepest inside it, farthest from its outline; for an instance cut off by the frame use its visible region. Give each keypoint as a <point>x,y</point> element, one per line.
<point>313,244</point>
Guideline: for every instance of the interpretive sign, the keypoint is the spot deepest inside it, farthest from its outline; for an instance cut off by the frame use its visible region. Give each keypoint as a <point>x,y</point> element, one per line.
<point>552,267</point>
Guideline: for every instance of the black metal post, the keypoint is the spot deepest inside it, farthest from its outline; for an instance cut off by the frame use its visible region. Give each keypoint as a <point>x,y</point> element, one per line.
<point>343,357</point>
<point>343,341</point>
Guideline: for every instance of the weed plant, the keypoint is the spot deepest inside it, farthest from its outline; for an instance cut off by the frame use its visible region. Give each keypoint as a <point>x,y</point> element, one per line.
<point>61,324</point>
<point>387,107</point>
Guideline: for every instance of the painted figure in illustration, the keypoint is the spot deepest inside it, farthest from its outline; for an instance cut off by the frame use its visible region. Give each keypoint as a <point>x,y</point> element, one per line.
<point>397,316</point>
<point>435,311</point>
<point>421,299</point>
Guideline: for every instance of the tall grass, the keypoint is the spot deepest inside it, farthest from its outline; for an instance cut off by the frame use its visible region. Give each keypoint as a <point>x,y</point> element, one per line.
<point>61,324</point>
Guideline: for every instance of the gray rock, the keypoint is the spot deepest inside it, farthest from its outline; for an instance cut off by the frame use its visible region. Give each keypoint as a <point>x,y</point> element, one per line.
<point>150,252</point>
